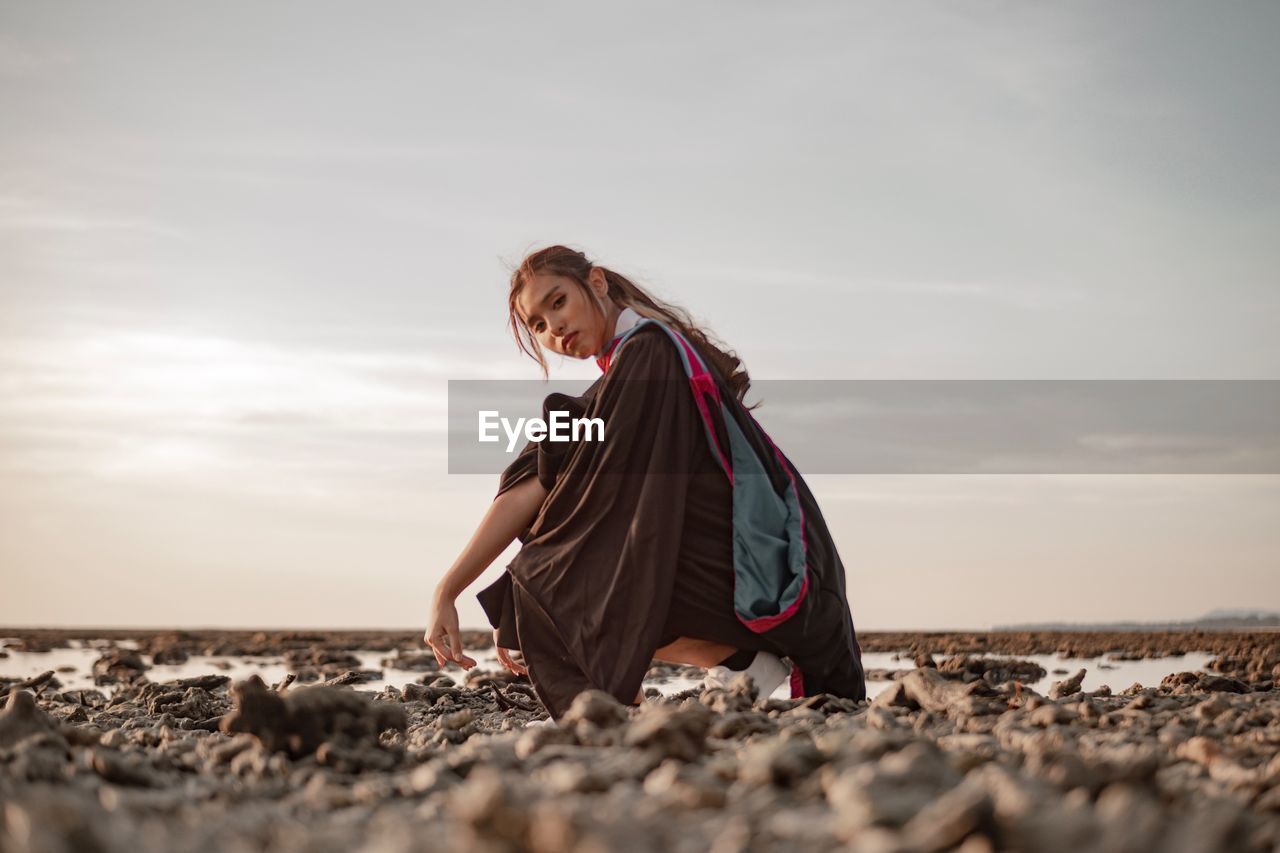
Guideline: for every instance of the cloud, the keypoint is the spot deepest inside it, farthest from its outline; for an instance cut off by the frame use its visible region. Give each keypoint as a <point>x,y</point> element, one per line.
<point>26,214</point>
<point>148,404</point>
<point>24,58</point>
<point>976,491</point>
<point>1029,295</point>
<point>1025,426</point>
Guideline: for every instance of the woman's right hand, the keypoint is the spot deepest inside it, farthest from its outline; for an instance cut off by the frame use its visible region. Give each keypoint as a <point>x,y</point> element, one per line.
<point>443,636</point>
<point>512,659</point>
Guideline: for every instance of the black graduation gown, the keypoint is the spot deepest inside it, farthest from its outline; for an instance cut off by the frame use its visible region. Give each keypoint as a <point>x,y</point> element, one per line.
<point>633,546</point>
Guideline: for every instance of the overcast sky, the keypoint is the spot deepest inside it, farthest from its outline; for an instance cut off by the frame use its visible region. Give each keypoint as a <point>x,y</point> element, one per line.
<point>244,245</point>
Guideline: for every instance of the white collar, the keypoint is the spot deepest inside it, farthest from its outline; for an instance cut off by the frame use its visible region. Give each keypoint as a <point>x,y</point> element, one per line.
<point>626,319</point>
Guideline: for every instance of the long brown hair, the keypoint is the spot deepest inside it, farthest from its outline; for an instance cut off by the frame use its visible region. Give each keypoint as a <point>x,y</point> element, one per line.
<point>573,265</point>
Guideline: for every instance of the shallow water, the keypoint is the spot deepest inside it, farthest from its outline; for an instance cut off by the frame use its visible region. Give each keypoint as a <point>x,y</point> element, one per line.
<point>1099,671</point>
<point>270,669</point>
<point>80,657</point>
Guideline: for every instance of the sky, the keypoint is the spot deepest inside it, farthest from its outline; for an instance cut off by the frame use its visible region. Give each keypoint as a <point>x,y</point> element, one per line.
<point>244,247</point>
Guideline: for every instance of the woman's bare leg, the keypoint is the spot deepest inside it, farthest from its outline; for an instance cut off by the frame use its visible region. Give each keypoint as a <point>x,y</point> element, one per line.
<point>703,653</point>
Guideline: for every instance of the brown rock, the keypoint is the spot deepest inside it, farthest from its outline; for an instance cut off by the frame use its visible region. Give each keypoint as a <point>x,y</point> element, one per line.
<point>945,822</point>
<point>118,665</point>
<point>301,720</point>
<point>672,732</point>
<point>1067,687</point>
<point>22,718</point>
<point>595,707</point>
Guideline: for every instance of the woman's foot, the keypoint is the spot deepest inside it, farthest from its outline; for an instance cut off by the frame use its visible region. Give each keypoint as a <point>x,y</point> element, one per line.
<point>766,670</point>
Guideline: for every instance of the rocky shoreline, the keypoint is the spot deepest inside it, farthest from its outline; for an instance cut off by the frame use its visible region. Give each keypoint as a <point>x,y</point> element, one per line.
<point>958,754</point>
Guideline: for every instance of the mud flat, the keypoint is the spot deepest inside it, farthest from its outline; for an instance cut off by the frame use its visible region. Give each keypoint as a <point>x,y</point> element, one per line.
<point>958,753</point>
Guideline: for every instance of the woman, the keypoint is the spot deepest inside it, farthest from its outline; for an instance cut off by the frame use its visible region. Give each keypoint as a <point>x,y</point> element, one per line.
<point>684,535</point>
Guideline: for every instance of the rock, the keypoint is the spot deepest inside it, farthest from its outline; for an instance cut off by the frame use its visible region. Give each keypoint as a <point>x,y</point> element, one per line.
<point>895,695</point>
<point>63,821</point>
<point>930,690</point>
<point>37,683</point>
<point>882,718</point>
<point>457,720</point>
<point>193,703</point>
<point>430,778</point>
<point>889,793</point>
<point>301,720</point>
<point>1217,825</point>
<point>1067,687</point>
<point>967,751</point>
<point>22,718</point>
<point>331,660</point>
<point>118,665</point>
<point>686,786</point>
<point>121,769</point>
<point>1051,714</point>
<point>491,806</point>
<point>595,707</point>
<point>945,822</point>
<point>740,725</point>
<point>783,763</point>
<point>1175,680</point>
<point>1201,750</point>
<point>42,757</point>
<point>994,670</point>
<point>1212,708</point>
<point>412,662</point>
<point>679,733</point>
<point>1219,683</point>
<point>536,738</point>
<point>170,655</point>
<point>351,676</point>
<point>431,694</point>
<point>1130,818</point>
<point>1120,763</point>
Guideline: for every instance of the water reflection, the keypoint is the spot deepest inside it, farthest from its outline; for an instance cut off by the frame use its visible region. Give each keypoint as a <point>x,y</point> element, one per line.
<point>74,668</point>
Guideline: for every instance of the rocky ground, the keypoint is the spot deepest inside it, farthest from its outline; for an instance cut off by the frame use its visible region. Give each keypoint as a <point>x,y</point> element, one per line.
<point>957,754</point>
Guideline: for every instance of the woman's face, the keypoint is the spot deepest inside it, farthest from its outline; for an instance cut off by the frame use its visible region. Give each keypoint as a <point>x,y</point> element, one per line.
<point>561,317</point>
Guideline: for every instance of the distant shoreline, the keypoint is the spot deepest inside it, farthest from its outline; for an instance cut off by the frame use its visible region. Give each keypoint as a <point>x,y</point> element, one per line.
<point>1079,643</point>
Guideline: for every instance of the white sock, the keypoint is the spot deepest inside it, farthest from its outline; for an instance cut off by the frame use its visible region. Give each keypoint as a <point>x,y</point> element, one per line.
<point>768,672</point>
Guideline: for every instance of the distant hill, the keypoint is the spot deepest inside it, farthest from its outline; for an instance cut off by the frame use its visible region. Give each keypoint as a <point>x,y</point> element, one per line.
<point>1239,613</point>
<point>1225,619</point>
